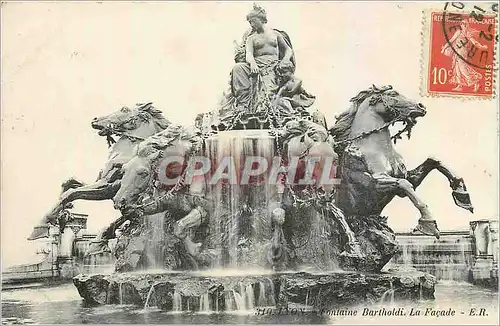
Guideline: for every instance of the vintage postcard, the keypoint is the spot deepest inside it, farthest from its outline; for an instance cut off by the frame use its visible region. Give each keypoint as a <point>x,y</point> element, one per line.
<point>249,163</point>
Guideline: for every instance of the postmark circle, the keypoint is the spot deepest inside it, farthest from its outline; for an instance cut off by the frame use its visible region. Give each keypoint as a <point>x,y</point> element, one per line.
<point>460,6</point>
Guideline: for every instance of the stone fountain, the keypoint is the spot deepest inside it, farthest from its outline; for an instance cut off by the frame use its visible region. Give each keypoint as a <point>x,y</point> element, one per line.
<point>258,204</point>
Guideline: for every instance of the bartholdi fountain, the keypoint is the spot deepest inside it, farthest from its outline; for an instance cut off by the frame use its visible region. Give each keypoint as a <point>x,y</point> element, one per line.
<point>259,203</point>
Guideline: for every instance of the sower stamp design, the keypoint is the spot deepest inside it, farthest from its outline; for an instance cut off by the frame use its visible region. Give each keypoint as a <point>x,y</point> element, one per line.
<point>461,53</point>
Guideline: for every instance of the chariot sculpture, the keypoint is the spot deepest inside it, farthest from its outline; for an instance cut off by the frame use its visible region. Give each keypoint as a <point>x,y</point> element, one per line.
<point>193,224</point>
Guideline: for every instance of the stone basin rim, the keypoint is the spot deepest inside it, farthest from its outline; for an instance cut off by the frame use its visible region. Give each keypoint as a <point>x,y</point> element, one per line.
<point>201,274</point>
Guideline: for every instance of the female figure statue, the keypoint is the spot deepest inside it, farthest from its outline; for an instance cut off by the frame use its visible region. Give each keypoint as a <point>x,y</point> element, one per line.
<point>264,50</point>
<point>464,75</point>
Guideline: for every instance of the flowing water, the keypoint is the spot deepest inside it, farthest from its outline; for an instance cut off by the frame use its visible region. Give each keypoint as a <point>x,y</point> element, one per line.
<point>62,304</point>
<point>205,303</point>
<point>177,302</point>
<point>449,258</point>
<point>151,291</point>
<point>388,296</point>
<point>240,221</point>
<point>154,247</point>
<point>240,228</point>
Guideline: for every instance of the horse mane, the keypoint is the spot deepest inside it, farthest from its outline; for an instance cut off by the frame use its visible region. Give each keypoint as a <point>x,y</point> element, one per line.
<point>342,127</point>
<point>167,137</point>
<point>154,113</point>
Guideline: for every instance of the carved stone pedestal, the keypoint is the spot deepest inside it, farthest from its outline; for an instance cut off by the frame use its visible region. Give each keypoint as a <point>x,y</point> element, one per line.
<point>485,267</point>
<point>485,272</point>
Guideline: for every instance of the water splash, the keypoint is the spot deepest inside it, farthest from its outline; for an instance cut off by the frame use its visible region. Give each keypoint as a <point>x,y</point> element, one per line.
<point>272,302</point>
<point>204,303</point>
<point>151,290</point>
<point>229,231</point>
<point>406,255</point>
<point>249,297</point>
<point>120,293</point>
<point>177,304</point>
<point>109,292</point>
<point>232,272</point>
<point>239,301</point>
<point>388,295</point>
<point>449,258</point>
<point>262,295</point>
<point>229,300</point>
<point>154,247</point>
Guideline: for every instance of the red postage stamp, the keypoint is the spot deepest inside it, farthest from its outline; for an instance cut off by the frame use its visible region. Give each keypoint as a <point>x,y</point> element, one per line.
<point>461,54</point>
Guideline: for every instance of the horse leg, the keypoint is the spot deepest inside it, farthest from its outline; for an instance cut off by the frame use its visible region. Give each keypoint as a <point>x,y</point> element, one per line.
<point>403,187</point>
<point>100,190</point>
<point>97,191</point>
<point>459,190</point>
<point>183,227</point>
<point>42,230</point>
<point>73,189</point>
<point>71,183</point>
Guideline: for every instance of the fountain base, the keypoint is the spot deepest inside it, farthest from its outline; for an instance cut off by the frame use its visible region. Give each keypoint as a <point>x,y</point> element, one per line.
<point>181,291</point>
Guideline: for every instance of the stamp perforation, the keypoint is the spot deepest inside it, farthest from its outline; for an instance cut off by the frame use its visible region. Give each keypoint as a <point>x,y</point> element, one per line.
<point>427,34</point>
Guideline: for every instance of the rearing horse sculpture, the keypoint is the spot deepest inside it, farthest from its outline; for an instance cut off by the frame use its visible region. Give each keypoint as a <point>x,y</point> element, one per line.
<point>142,180</point>
<point>372,172</point>
<point>305,139</point>
<point>132,125</point>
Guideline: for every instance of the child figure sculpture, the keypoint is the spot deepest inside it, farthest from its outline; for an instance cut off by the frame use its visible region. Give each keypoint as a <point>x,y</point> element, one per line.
<point>291,95</point>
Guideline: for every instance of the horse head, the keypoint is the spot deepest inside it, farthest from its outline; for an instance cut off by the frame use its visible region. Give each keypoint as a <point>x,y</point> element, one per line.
<point>137,122</point>
<point>153,164</point>
<point>372,111</point>
<point>393,107</point>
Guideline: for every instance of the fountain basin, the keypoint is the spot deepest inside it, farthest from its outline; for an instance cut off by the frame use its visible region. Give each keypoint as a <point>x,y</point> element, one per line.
<point>186,291</point>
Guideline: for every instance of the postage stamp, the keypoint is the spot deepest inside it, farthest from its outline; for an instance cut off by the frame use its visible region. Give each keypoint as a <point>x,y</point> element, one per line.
<point>459,51</point>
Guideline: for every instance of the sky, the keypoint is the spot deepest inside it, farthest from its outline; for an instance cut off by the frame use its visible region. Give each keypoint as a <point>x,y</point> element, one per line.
<point>65,63</point>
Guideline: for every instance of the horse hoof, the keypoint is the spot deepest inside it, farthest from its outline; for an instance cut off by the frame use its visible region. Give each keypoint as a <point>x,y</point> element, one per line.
<point>462,199</point>
<point>427,227</point>
<point>39,232</point>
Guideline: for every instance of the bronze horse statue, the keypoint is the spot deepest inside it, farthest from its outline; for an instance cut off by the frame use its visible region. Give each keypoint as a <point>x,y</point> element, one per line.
<point>142,191</point>
<point>304,139</point>
<point>132,125</point>
<point>372,172</point>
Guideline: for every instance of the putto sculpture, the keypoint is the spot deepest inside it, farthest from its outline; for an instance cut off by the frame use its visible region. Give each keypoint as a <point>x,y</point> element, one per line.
<point>261,181</point>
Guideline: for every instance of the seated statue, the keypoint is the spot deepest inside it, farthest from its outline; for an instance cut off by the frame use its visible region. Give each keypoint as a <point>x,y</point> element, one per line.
<point>263,90</point>
<point>264,51</point>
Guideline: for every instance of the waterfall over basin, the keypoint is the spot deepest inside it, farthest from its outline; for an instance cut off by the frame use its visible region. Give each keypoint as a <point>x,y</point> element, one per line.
<point>239,237</point>
<point>240,223</point>
<point>197,292</point>
<point>450,258</point>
